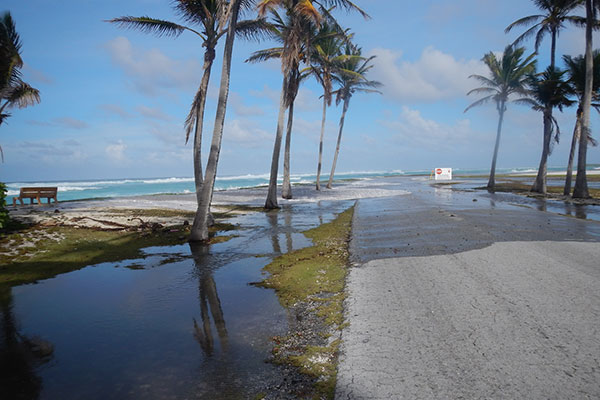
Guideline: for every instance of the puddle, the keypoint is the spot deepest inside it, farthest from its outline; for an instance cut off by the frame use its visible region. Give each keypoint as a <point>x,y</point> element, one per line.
<point>182,322</point>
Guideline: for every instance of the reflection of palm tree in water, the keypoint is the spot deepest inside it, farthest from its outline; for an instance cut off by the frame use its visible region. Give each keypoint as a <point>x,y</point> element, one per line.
<point>273,216</point>
<point>19,356</point>
<point>209,299</point>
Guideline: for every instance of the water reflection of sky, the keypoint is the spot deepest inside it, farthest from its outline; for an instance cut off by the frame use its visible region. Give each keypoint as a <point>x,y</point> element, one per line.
<point>182,322</point>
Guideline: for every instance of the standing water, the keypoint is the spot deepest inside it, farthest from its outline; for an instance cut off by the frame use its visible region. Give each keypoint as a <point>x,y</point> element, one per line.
<point>181,322</point>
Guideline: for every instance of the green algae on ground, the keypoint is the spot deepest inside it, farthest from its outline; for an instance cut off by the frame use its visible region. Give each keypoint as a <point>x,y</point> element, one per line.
<point>315,274</point>
<point>32,253</point>
<point>512,186</point>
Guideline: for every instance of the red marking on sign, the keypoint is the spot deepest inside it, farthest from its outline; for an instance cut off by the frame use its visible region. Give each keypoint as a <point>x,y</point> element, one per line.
<point>438,171</point>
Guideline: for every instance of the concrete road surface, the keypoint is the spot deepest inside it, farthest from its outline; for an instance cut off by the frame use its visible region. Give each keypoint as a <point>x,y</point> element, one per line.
<point>461,296</point>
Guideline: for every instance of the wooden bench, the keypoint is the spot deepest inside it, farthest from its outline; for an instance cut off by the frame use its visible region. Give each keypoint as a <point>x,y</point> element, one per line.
<point>37,193</point>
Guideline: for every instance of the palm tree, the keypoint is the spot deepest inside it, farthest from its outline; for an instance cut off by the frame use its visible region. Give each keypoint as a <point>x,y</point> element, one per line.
<point>13,91</point>
<point>302,13</point>
<point>547,90</point>
<point>200,226</point>
<point>352,79</point>
<point>555,15</point>
<point>282,30</point>
<point>581,188</point>
<point>210,15</point>
<point>507,76</point>
<point>326,59</point>
<point>576,72</point>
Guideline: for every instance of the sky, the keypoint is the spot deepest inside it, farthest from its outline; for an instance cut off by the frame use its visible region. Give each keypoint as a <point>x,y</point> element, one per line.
<point>114,100</point>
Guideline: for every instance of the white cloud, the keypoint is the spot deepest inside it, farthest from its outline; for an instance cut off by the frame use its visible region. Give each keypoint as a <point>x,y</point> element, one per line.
<point>63,122</point>
<point>241,109</point>
<point>155,113</point>
<point>116,151</point>
<point>152,70</point>
<point>247,133</point>
<point>412,128</point>
<point>114,109</point>
<point>434,76</point>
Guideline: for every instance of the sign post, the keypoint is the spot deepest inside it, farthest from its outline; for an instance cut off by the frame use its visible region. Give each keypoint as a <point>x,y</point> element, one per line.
<point>443,174</point>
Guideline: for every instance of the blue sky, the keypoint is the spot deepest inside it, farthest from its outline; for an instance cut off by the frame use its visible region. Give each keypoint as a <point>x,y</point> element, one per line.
<point>114,100</point>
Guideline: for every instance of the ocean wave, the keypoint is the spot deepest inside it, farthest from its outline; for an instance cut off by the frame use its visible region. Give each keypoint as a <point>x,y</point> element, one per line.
<point>242,177</point>
<point>166,180</point>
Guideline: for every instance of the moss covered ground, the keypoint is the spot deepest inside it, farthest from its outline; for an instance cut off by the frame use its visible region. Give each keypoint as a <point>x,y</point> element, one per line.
<point>29,253</point>
<point>315,275</point>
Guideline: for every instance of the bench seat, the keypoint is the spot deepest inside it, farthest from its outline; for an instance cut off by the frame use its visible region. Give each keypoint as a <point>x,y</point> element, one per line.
<point>36,193</point>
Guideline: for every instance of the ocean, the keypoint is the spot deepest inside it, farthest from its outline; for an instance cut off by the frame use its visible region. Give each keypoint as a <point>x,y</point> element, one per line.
<point>114,188</point>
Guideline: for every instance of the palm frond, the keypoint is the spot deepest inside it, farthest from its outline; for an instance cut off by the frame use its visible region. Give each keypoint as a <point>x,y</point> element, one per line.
<point>480,102</point>
<point>146,24</point>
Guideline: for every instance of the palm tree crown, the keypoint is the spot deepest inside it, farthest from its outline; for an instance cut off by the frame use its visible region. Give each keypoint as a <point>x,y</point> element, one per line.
<point>556,14</point>
<point>13,91</point>
<point>508,76</point>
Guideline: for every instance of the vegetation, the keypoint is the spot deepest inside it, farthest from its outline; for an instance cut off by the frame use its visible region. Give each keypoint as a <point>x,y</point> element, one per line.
<point>576,73</point>
<point>547,91</point>
<point>315,274</point>
<point>351,77</point>
<point>212,16</point>
<point>32,252</point>
<point>4,217</point>
<point>13,91</point>
<point>507,77</point>
<point>303,17</point>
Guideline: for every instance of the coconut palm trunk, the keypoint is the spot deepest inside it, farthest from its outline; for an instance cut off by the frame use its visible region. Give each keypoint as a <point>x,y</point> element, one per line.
<point>501,111</point>
<point>540,181</point>
<point>581,187</point>
<point>576,134</point>
<point>200,106</point>
<point>339,141</point>
<point>321,142</point>
<point>286,190</point>
<point>271,201</point>
<point>200,226</point>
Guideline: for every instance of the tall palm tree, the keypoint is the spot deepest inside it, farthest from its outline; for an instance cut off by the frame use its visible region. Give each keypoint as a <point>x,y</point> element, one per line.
<point>13,91</point>
<point>508,76</point>
<point>555,14</point>
<point>581,188</point>
<point>547,91</point>
<point>301,12</point>
<point>210,17</point>
<point>200,226</point>
<point>282,30</point>
<point>326,59</point>
<point>576,73</point>
<point>352,79</point>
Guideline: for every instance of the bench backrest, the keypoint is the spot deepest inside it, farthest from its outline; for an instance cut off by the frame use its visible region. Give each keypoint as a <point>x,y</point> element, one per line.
<point>43,191</point>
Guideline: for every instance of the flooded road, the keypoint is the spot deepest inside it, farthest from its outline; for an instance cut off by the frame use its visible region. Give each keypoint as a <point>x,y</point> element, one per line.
<point>181,322</point>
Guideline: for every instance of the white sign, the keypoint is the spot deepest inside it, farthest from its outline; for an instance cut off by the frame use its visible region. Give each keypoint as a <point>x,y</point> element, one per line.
<point>443,174</point>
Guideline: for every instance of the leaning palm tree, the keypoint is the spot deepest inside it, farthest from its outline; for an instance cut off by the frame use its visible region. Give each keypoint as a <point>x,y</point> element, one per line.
<point>282,30</point>
<point>576,73</point>
<point>555,14</point>
<point>547,91</point>
<point>326,58</point>
<point>211,19</point>
<point>581,188</point>
<point>13,91</point>
<point>507,77</point>
<point>352,79</point>
<point>200,226</point>
<point>301,12</point>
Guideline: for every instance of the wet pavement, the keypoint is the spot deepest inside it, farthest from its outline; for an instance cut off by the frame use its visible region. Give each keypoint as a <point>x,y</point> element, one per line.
<point>466,294</point>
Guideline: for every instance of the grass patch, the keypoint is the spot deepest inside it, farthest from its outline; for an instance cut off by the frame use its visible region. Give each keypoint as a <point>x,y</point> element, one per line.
<point>32,253</point>
<point>520,187</point>
<point>315,274</point>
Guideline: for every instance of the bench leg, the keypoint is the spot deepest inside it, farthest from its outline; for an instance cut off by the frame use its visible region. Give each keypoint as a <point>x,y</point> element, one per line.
<point>14,201</point>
